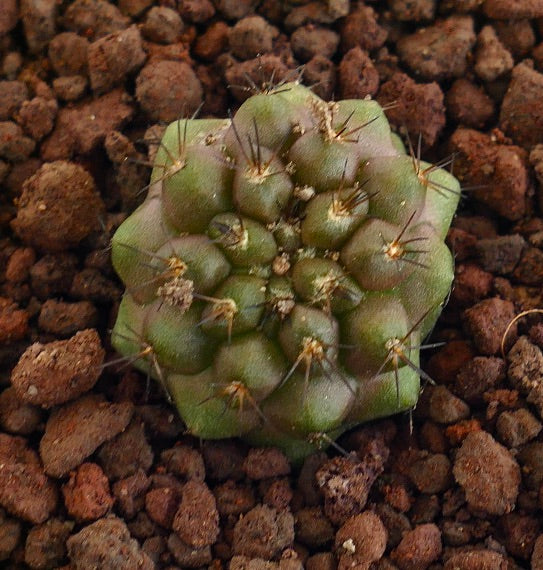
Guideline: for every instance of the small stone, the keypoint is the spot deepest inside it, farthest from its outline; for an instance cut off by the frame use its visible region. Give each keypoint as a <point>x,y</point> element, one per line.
<point>263,533</point>
<point>86,494</point>
<point>265,462</point>
<point>507,10</point>
<point>487,322</point>
<point>162,25</point>
<point>439,51</point>
<point>75,430</point>
<point>251,36</point>
<point>487,473</point>
<point>521,115</point>
<point>405,98</point>
<point>12,95</point>
<point>107,544</point>
<point>168,89</point>
<point>357,75</point>
<point>68,54</point>
<point>477,560</point>
<point>418,548</point>
<point>46,544</point>
<point>360,28</point>
<point>196,521</point>
<point>310,40</point>
<point>468,104</point>
<point>445,407</point>
<point>492,59</point>
<point>112,58</point>
<point>25,490</point>
<point>54,373</point>
<point>362,539</point>
<point>59,207</point>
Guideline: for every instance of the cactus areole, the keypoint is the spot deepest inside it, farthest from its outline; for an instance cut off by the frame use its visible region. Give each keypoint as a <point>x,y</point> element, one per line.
<point>284,269</point>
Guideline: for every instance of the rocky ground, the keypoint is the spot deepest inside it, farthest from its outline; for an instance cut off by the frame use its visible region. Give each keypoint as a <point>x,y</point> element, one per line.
<point>95,472</point>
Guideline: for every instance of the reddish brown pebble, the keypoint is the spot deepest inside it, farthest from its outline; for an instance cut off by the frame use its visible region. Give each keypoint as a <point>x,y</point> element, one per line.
<point>65,319</point>
<point>198,11</point>
<point>167,89</point>
<point>499,171</point>
<point>487,473</point>
<point>445,364</point>
<point>357,76</point>
<point>251,36</point>
<point>407,10</point>
<point>471,284</point>
<point>54,373</point>
<point>37,117</point>
<point>15,416</point>
<point>537,554</point>
<point>86,494</point>
<point>14,146</point>
<point>517,428</point>
<point>75,430</point>
<point>445,407</point>
<point>12,96</point>
<point>360,28</point>
<point>234,499</point>
<point>263,533</point>
<point>19,264</point>
<point>112,58</point>
<point>313,528</point>
<point>521,114</point>
<point>264,462</point>
<point>468,104</point>
<point>13,321</point>
<point>25,490</point>
<point>162,25</point>
<point>520,532</point>
<point>212,42</point>
<point>478,375</point>
<point>501,254</point>
<point>130,494</point>
<point>82,127</point>
<point>161,505</point>
<point>46,544</point>
<point>68,54</point>
<point>107,544</point>
<point>477,560</point>
<point>439,51</point>
<point>185,462</point>
<point>309,41</point>
<point>491,58</point>
<point>362,539</point>
<point>345,483</point>
<point>431,473</point>
<point>127,453</point>
<point>94,18</point>
<point>187,556</point>
<point>59,207</point>
<point>418,548</point>
<point>525,371</point>
<point>196,521</point>
<point>487,321</point>
<point>513,9</point>
<point>406,98</point>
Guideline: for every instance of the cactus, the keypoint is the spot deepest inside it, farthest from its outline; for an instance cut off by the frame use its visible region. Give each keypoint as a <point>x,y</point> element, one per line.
<point>284,269</point>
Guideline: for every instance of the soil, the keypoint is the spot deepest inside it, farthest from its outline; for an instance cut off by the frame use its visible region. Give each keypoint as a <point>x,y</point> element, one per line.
<point>95,468</point>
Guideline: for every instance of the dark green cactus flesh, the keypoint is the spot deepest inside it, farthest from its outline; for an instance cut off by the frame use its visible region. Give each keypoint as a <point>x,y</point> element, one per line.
<point>284,269</point>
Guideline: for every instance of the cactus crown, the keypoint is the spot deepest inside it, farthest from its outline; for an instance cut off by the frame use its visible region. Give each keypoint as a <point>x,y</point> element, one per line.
<point>283,269</point>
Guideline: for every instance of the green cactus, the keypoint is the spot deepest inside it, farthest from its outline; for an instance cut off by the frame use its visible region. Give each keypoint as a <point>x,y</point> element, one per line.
<point>284,269</point>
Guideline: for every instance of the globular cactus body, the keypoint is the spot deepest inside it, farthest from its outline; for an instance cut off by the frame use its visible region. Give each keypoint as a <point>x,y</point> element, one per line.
<point>284,269</point>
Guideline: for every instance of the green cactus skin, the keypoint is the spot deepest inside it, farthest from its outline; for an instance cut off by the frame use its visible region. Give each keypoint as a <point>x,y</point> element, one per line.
<point>284,269</point>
